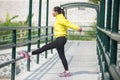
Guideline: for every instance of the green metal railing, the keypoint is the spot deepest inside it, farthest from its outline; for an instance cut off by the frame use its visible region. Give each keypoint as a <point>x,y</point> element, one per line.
<point>16,44</point>
<point>108,38</point>
<point>32,35</point>
<point>47,15</point>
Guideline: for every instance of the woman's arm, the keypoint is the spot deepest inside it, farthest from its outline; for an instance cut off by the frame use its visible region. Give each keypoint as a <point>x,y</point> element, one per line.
<point>70,25</point>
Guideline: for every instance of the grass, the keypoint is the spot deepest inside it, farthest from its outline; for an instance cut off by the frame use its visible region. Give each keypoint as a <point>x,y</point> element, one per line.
<point>77,37</point>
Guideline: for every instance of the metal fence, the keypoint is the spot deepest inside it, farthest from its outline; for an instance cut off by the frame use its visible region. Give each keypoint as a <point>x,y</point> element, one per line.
<point>108,39</point>
<point>14,43</point>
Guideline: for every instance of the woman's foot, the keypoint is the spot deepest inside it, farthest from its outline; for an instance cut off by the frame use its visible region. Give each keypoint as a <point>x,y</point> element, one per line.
<point>25,54</point>
<point>65,74</point>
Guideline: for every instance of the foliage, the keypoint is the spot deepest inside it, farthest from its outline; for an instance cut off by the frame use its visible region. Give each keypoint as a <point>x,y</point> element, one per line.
<point>22,35</point>
<point>6,36</point>
<point>8,21</point>
<point>26,21</point>
<point>94,1</point>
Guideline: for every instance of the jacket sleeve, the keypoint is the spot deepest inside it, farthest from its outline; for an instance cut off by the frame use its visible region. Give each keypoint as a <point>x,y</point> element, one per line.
<point>68,24</point>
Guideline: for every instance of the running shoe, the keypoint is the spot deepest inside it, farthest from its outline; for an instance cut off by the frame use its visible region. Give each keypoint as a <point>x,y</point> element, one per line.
<point>64,74</point>
<point>25,54</point>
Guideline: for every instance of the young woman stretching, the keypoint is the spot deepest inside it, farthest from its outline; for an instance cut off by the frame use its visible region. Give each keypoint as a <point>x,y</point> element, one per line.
<point>60,31</point>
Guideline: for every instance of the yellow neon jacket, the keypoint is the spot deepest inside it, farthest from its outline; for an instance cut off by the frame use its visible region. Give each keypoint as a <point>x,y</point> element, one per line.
<point>61,24</point>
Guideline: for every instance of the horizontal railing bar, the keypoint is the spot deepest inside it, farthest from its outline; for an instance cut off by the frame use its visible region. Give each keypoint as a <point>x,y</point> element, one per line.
<point>19,58</point>
<point>101,64</point>
<point>12,28</point>
<point>6,63</point>
<point>26,28</point>
<point>6,40</point>
<point>36,37</point>
<point>16,33</point>
<point>22,38</point>
<point>100,59</point>
<point>5,46</point>
<point>5,35</point>
<point>9,62</point>
<point>21,44</point>
<point>22,28</point>
<point>112,68</point>
<point>114,36</point>
<point>25,43</point>
<point>107,58</point>
<point>114,72</point>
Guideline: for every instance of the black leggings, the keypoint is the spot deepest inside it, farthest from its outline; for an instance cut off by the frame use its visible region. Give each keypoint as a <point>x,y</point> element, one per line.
<point>59,45</point>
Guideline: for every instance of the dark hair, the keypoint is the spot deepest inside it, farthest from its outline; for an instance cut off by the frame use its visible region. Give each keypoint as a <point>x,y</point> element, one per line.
<point>59,10</point>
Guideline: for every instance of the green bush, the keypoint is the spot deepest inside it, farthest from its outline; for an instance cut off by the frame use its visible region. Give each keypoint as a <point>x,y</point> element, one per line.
<point>6,36</point>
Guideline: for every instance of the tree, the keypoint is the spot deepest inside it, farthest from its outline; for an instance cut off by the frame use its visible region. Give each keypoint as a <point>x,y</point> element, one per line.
<point>94,1</point>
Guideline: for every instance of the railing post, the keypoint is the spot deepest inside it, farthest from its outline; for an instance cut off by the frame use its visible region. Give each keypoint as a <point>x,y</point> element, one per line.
<point>52,37</point>
<point>102,35</point>
<point>47,13</point>
<point>108,24</point>
<point>29,32</point>
<point>115,23</point>
<point>102,13</point>
<point>39,27</point>
<point>97,35</point>
<point>13,55</point>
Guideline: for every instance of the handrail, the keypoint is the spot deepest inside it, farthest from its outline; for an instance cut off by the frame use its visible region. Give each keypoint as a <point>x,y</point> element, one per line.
<point>112,68</point>
<point>114,72</point>
<point>23,43</point>
<point>114,36</point>
<point>107,57</point>
<point>5,46</point>
<point>22,28</point>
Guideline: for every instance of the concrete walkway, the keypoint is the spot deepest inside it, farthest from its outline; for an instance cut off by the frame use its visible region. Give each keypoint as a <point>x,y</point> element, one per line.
<point>82,59</point>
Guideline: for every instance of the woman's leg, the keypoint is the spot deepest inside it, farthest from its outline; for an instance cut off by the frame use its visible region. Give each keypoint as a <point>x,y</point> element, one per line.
<point>44,48</point>
<point>60,48</point>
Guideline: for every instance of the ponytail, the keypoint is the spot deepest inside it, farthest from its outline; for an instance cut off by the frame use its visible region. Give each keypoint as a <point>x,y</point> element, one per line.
<point>63,12</point>
<point>59,10</point>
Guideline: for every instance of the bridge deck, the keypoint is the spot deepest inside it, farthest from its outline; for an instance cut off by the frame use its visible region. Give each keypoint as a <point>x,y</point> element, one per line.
<point>82,59</point>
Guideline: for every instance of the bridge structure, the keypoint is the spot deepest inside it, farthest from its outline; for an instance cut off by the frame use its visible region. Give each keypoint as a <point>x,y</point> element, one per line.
<point>88,60</point>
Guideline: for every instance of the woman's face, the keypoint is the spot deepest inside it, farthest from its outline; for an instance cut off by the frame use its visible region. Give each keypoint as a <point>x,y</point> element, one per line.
<point>54,13</point>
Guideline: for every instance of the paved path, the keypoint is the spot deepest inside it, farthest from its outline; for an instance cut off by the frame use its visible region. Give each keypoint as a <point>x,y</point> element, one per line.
<point>82,59</point>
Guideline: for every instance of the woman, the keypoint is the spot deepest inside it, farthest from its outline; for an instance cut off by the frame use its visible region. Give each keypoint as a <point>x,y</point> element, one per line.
<point>60,31</point>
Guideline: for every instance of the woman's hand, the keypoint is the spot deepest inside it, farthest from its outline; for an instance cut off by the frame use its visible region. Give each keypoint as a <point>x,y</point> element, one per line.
<point>80,29</point>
